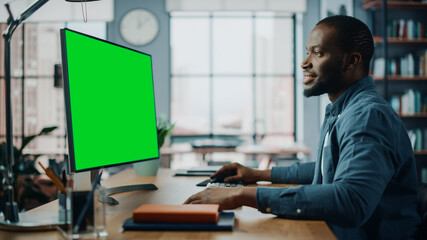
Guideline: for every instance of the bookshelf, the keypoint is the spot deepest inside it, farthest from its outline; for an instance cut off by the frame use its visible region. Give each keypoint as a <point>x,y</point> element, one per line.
<point>400,41</point>
<point>399,65</point>
<point>395,5</point>
<point>413,115</point>
<point>420,152</point>
<point>400,78</point>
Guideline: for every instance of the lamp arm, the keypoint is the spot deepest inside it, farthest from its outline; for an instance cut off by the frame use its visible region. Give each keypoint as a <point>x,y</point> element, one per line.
<point>10,209</point>
<point>10,18</point>
<point>13,23</point>
<point>31,9</point>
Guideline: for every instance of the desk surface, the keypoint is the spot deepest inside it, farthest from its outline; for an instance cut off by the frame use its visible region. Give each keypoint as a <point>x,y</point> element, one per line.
<point>250,224</point>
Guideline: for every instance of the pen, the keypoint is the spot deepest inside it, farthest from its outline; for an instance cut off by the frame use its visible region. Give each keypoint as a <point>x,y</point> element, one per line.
<point>49,172</point>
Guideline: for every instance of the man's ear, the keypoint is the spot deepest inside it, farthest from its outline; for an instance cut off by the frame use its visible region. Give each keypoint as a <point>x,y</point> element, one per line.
<point>352,61</point>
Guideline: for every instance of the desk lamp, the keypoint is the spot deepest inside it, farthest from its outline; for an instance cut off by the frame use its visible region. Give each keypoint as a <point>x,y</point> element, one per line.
<point>12,219</point>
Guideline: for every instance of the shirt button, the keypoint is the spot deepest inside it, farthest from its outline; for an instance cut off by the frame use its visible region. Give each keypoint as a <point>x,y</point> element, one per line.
<point>268,209</point>
<point>298,211</point>
<point>339,115</point>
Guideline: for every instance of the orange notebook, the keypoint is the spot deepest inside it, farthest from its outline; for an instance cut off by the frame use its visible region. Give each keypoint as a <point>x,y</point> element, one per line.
<point>186,213</point>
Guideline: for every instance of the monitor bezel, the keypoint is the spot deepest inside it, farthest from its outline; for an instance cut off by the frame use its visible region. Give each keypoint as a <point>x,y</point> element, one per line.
<point>67,101</point>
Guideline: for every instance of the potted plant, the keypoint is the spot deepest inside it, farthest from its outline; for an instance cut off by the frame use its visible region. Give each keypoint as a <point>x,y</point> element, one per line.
<point>24,172</point>
<point>149,168</point>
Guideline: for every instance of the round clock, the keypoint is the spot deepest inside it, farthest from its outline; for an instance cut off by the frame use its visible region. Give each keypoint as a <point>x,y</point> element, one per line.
<point>139,27</point>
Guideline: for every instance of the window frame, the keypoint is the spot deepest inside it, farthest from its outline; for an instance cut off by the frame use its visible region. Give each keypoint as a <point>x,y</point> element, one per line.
<point>254,75</point>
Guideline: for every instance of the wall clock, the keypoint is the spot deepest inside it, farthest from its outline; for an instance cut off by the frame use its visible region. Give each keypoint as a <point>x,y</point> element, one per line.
<point>139,27</point>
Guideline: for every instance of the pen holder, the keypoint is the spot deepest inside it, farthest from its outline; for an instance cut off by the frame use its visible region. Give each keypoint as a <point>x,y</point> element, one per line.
<point>64,213</point>
<point>73,205</point>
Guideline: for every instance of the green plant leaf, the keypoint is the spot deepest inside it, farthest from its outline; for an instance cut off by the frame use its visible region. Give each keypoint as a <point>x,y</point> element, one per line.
<point>164,129</point>
<point>28,139</point>
<point>47,130</point>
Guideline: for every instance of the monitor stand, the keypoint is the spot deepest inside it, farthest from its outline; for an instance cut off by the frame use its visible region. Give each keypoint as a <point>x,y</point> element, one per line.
<point>110,191</point>
<point>82,182</point>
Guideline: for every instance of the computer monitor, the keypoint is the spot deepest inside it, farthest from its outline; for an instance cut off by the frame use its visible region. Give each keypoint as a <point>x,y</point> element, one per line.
<point>109,103</point>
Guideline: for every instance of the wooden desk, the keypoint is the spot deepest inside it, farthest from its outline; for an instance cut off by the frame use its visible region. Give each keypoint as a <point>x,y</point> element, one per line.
<point>249,223</point>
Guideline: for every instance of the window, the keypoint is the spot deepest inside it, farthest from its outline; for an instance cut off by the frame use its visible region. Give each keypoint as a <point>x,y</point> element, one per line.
<point>232,73</point>
<point>36,102</point>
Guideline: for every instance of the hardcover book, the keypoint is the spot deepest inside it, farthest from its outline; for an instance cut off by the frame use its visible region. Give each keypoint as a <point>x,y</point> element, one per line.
<point>225,223</point>
<point>185,213</point>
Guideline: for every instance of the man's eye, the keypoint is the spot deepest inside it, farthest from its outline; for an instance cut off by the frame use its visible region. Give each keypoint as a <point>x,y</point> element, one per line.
<point>317,53</point>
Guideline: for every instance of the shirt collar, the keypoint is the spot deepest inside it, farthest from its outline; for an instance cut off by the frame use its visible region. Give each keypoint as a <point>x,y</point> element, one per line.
<point>360,85</point>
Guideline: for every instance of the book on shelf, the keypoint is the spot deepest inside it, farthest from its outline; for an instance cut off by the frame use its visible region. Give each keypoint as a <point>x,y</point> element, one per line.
<point>424,136</point>
<point>405,29</point>
<point>379,64</point>
<point>418,137</point>
<point>406,65</point>
<point>411,102</point>
<point>411,64</point>
<point>422,63</point>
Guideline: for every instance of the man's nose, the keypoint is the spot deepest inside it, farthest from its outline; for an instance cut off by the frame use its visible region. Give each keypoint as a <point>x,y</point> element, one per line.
<point>306,63</point>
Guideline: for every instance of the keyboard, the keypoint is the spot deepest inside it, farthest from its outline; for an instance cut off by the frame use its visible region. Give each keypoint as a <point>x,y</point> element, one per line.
<point>209,183</point>
<point>218,181</point>
<point>219,184</point>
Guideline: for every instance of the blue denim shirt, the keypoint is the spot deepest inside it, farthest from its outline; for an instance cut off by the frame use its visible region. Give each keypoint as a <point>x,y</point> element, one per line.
<point>368,189</point>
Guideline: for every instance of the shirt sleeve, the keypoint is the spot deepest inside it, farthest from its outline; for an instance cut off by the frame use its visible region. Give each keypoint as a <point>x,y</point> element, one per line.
<point>298,173</point>
<point>365,167</point>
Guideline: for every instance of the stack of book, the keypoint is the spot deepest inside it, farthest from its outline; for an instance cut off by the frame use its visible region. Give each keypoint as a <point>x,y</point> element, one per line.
<point>185,217</point>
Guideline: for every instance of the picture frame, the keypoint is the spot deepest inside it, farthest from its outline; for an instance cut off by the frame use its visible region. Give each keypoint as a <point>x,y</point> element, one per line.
<point>336,7</point>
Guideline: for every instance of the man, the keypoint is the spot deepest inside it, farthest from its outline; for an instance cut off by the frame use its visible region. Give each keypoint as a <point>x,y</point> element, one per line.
<point>364,182</point>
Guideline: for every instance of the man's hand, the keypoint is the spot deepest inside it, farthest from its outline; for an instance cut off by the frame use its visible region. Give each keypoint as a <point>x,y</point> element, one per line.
<point>227,198</point>
<point>244,174</point>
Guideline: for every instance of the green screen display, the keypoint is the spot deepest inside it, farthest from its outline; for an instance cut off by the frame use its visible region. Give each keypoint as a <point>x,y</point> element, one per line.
<point>110,108</point>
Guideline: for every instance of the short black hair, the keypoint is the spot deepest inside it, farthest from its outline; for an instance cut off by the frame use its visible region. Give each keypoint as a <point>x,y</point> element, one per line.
<point>354,36</point>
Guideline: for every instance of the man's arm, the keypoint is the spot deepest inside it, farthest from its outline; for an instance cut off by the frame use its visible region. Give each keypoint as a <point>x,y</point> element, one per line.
<point>364,169</point>
<point>297,173</point>
<point>360,178</point>
<point>230,198</point>
<point>227,198</point>
<point>242,173</point>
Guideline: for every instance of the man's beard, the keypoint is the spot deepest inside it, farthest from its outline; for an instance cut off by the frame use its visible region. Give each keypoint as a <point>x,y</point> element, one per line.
<point>318,89</point>
<point>330,84</point>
